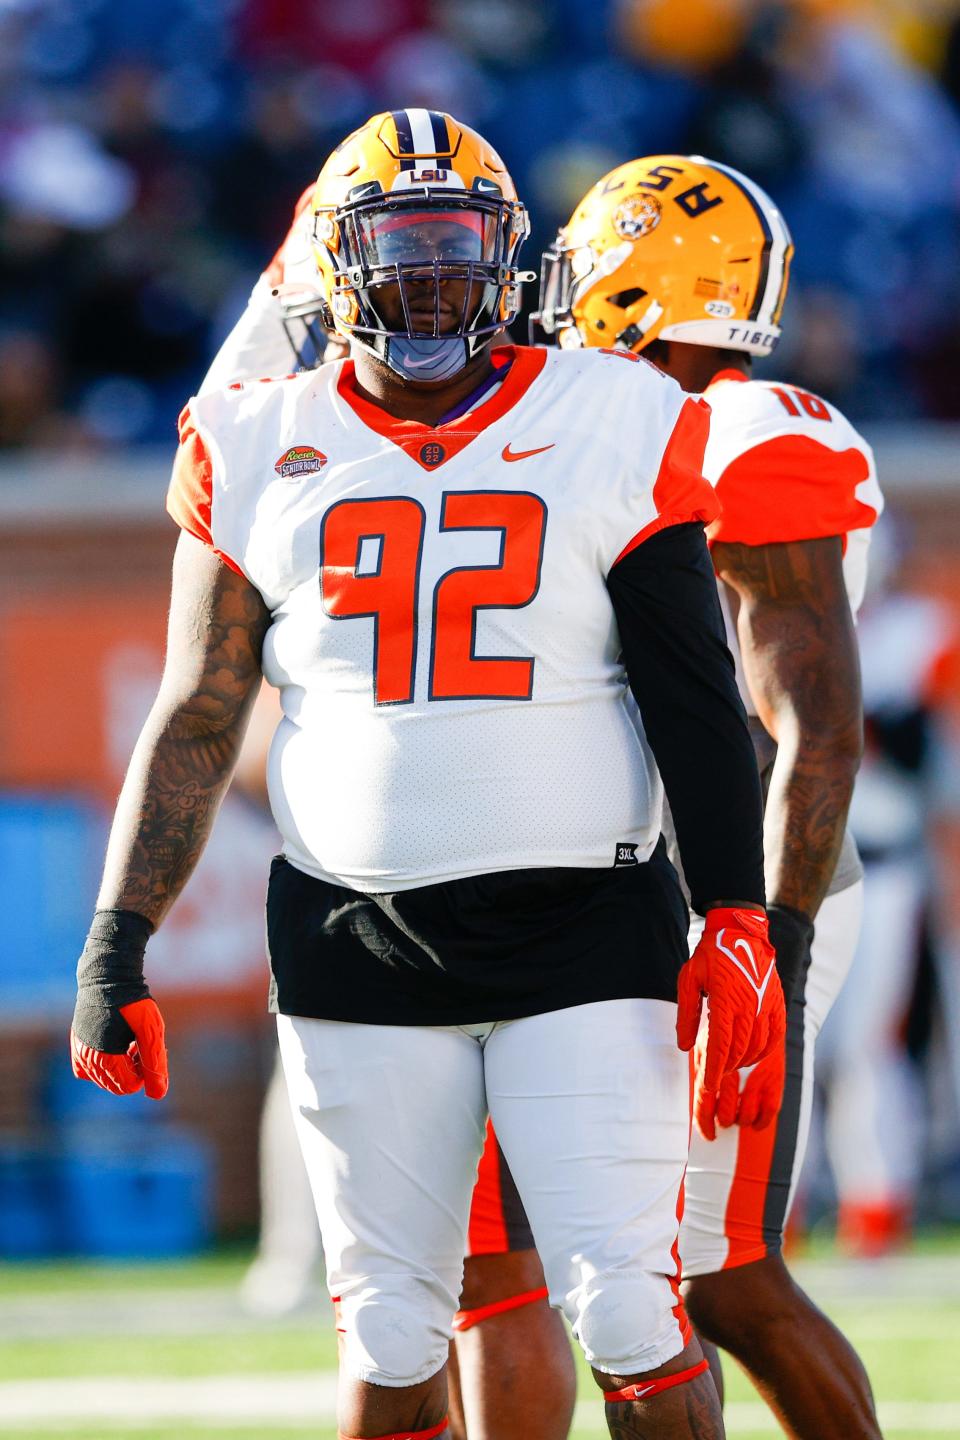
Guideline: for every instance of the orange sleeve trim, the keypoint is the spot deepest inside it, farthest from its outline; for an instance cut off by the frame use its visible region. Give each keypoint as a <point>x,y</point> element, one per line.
<point>792,488</point>
<point>680,492</point>
<point>274,271</point>
<point>190,495</point>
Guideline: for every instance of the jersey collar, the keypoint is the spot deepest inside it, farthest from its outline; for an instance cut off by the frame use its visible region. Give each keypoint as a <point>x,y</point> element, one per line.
<point>727,375</point>
<point>432,445</point>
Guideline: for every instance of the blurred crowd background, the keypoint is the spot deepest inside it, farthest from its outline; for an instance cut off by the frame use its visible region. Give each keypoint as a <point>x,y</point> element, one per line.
<point>150,158</point>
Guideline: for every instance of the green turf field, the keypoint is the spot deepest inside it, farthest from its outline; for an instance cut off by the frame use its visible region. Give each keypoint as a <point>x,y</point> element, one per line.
<point>93,1352</point>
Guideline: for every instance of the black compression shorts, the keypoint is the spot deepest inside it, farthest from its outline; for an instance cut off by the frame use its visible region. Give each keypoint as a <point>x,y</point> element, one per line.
<point>483,948</point>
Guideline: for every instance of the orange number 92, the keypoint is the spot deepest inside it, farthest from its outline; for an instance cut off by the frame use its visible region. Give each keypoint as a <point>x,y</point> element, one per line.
<point>389,593</point>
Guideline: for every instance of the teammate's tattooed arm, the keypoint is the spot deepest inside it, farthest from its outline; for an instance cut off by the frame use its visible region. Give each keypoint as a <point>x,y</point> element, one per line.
<point>185,756</point>
<point>800,659</point>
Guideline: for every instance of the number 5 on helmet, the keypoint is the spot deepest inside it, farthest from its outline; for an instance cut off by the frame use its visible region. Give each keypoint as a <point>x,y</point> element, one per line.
<point>733,967</point>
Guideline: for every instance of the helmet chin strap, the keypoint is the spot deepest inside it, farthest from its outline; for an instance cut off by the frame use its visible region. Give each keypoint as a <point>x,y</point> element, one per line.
<point>427,359</point>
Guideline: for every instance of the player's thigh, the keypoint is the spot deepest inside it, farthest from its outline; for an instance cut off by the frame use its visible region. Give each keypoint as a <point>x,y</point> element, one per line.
<point>591,1108</point>
<point>739,1187</point>
<point>391,1122</point>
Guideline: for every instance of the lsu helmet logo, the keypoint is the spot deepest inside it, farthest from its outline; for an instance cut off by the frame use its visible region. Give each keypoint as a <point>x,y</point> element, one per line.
<point>637,216</point>
<point>300,460</point>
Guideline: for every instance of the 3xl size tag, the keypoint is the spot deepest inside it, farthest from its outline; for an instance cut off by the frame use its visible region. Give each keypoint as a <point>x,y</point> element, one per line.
<point>626,855</point>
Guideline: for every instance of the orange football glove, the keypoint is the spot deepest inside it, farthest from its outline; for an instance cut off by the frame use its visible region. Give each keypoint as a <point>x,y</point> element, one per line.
<point>116,1039</point>
<point>142,1066</point>
<point>755,1106</point>
<point>733,967</point>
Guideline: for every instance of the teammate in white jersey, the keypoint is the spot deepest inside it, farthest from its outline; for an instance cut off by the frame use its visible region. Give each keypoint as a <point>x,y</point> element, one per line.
<point>686,262</point>
<point>453,563</point>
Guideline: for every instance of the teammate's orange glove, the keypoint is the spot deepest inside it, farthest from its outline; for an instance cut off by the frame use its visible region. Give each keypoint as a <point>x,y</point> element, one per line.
<point>116,1039</point>
<point>733,967</point>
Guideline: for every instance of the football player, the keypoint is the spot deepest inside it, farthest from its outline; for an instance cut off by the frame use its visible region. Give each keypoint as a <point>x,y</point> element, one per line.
<point>685,263</point>
<point>454,562</point>
<point>505,1327</point>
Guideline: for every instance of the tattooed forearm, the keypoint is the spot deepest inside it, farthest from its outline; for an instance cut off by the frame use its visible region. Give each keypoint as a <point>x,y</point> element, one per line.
<point>184,758</point>
<point>806,813</point>
<point>800,659</point>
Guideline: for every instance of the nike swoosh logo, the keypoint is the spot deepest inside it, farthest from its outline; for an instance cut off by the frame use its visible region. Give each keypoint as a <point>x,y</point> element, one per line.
<point>508,454</point>
<point>753,975</point>
<point>751,958</point>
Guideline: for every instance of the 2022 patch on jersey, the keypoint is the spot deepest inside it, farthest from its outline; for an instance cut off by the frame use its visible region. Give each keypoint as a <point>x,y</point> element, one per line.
<point>442,638</point>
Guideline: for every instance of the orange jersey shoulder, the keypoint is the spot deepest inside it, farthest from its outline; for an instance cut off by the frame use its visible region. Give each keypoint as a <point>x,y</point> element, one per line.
<point>190,494</point>
<point>786,465</point>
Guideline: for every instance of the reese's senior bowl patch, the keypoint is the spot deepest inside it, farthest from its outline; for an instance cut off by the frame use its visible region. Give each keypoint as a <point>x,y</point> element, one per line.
<point>300,460</point>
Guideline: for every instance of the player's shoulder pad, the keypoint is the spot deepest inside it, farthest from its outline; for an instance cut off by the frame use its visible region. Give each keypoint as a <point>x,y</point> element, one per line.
<point>651,436</point>
<point>604,364</point>
<point>616,394</point>
<point>746,412</point>
<point>245,401</point>
<point>787,465</point>
<point>262,380</point>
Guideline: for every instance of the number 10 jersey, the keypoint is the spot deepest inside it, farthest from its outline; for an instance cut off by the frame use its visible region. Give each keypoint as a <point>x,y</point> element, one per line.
<point>447,656</point>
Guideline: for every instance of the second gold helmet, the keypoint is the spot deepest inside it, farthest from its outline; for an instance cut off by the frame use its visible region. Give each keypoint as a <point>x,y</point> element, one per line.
<point>670,247</point>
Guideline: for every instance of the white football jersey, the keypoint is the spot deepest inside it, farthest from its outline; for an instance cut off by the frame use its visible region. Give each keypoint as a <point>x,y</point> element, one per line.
<point>787,465</point>
<point>443,639</point>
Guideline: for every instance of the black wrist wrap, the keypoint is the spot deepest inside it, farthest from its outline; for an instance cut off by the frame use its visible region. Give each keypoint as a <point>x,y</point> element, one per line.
<point>791,935</point>
<point>110,974</point>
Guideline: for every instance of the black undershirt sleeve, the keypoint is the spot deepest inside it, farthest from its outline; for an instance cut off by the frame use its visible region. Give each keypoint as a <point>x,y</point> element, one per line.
<point>664,595</point>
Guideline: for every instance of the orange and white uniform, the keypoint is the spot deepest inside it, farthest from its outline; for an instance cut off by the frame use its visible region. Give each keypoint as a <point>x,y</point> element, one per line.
<point>474,903</point>
<point>786,466</point>
<point>256,346</point>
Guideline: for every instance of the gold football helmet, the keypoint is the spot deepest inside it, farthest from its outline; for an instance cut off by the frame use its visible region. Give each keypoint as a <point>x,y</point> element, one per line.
<point>407,203</point>
<point>671,247</point>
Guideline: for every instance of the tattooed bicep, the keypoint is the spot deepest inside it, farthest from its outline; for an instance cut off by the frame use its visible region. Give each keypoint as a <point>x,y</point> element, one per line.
<point>800,572</point>
<point>217,624</point>
<point>796,631</point>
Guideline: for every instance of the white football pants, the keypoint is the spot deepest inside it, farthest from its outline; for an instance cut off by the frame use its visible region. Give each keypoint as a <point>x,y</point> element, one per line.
<point>591,1107</point>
